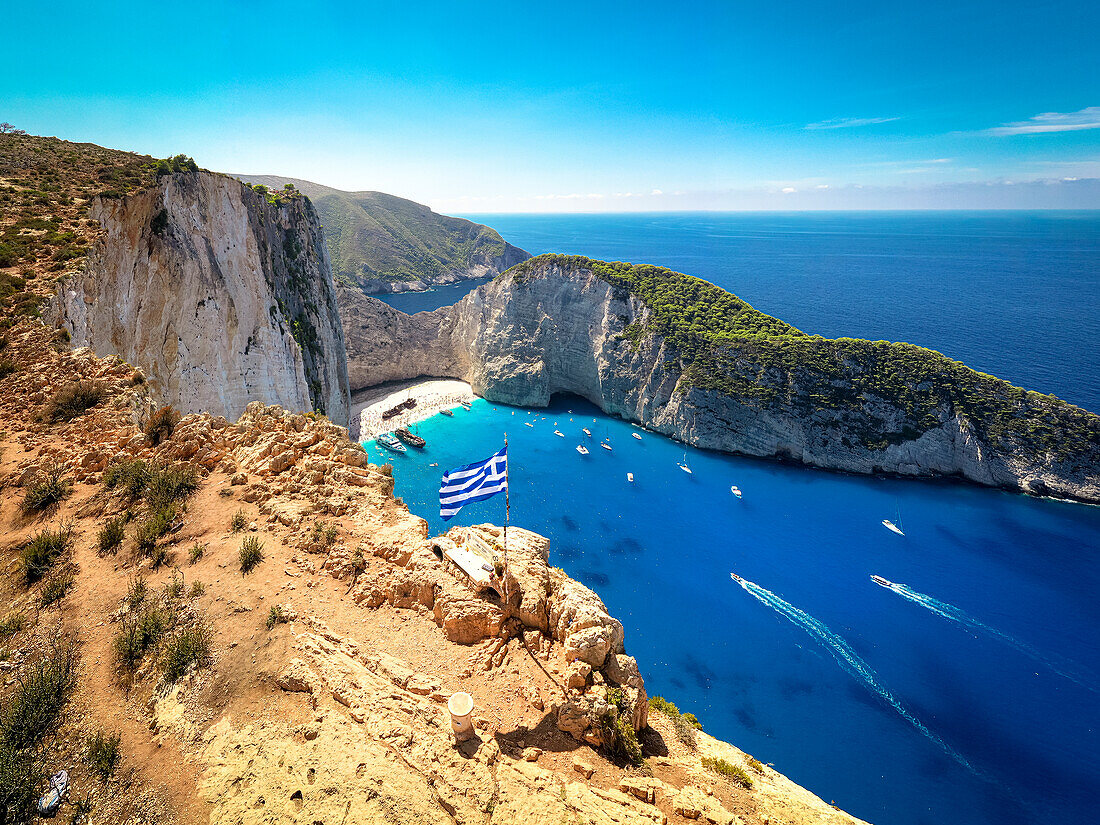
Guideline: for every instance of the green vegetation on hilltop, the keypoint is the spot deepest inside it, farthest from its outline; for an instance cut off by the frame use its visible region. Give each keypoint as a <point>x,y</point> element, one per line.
<point>722,344</point>
<point>374,236</point>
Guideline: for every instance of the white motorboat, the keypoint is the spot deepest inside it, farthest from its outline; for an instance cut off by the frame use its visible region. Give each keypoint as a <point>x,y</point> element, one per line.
<point>528,423</point>
<point>881,581</point>
<point>559,433</point>
<point>586,431</point>
<point>582,449</point>
<point>684,465</point>
<point>637,436</point>
<point>605,445</point>
<point>630,477</point>
<point>736,490</point>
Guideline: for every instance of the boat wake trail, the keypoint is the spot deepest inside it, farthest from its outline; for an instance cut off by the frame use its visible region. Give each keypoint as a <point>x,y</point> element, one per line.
<point>848,660</point>
<point>954,614</point>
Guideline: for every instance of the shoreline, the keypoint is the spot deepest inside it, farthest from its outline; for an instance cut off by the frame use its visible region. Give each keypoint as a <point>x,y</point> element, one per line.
<point>431,394</point>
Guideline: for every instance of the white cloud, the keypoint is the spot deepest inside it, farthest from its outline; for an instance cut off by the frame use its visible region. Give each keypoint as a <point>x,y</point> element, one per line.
<point>788,190</point>
<point>656,192</point>
<point>1087,118</point>
<point>848,122</point>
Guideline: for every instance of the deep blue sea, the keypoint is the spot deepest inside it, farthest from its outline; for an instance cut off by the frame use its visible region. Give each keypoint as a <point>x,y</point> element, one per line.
<point>966,694</point>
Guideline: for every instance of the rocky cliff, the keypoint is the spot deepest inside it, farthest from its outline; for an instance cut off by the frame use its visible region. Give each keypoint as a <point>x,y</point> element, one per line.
<point>689,360</point>
<point>220,296</point>
<point>381,243</point>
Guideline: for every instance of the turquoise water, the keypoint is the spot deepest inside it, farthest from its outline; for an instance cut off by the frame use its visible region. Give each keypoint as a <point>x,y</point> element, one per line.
<point>966,694</point>
<point>902,711</point>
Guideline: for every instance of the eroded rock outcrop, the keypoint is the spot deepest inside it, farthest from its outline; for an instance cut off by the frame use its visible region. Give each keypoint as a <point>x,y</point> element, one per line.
<point>219,296</point>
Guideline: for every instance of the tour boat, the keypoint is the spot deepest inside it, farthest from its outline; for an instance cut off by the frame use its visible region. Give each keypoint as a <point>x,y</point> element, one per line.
<point>736,490</point>
<point>388,441</point>
<point>586,431</point>
<point>630,477</point>
<point>880,580</point>
<point>637,436</point>
<point>736,578</point>
<point>582,449</point>
<point>559,433</point>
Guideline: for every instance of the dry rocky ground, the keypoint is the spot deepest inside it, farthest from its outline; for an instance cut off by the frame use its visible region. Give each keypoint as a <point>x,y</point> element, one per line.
<point>321,696</point>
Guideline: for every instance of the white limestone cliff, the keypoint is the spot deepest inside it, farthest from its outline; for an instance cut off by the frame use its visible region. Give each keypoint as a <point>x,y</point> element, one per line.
<point>562,329</point>
<point>218,296</point>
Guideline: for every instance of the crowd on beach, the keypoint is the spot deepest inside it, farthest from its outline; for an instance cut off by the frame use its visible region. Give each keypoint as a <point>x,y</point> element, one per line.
<point>371,422</point>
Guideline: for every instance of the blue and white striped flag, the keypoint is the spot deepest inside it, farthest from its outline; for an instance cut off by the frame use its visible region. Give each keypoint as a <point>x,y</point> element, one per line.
<point>474,482</point>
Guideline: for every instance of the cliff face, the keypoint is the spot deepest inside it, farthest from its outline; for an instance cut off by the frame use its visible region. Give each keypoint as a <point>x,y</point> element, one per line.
<point>553,326</point>
<point>220,297</point>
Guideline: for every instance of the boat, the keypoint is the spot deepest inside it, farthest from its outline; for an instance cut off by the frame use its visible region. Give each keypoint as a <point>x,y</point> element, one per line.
<point>582,449</point>
<point>684,465</point>
<point>434,464</point>
<point>559,433</point>
<point>637,436</point>
<point>528,423</point>
<point>630,477</point>
<point>894,526</point>
<point>586,431</point>
<point>605,445</point>
<point>889,525</point>
<point>736,490</point>
<point>448,412</point>
<point>881,581</point>
<point>736,578</point>
<point>409,438</point>
<point>388,441</point>
<point>465,405</point>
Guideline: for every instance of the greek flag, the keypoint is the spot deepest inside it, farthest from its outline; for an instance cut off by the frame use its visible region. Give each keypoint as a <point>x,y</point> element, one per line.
<point>474,482</point>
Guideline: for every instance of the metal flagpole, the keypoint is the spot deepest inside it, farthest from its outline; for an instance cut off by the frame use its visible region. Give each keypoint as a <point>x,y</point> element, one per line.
<point>507,516</point>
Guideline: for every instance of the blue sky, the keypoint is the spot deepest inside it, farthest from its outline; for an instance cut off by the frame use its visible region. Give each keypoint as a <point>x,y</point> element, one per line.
<point>587,106</point>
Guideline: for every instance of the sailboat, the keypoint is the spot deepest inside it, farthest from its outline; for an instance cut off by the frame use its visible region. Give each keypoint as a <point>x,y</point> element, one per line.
<point>891,526</point>
<point>684,465</point>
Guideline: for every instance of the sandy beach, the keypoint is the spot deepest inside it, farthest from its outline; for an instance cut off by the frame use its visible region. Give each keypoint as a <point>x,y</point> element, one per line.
<point>432,395</point>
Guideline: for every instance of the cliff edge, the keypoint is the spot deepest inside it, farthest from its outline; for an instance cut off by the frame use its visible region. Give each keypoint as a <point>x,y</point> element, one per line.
<point>219,295</point>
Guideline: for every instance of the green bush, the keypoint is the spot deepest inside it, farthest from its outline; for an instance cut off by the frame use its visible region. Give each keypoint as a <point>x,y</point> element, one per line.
<point>734,773</point>
<point>136,593</point>
<point>12,624</point>
<point>685,724</point>
<point>618,730</point>
<point>7,367</point>
<point>131,474</point>
<point>139,634</point>
<point>190,646</point>
<point>755,764</point>
<point>197,589</point>
<point>161,424</point>
<point>34,709</point>
<point>75,400</point>
<point>111,535</point>
<point>56,587</point>
<point>252,553</point>
<point>195,553</point>
<point>102,754</point>
<point>168,485</point>
<point>238,522</point>
<point>48,489</point>
<point>276,616</point>
<point>39,554</point>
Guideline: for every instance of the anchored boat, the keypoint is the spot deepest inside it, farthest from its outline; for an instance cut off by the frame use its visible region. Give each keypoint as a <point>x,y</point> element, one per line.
<point>409,438</point>
<point>736,490</point>
<point>388,441</point>
<point>582,449</point>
